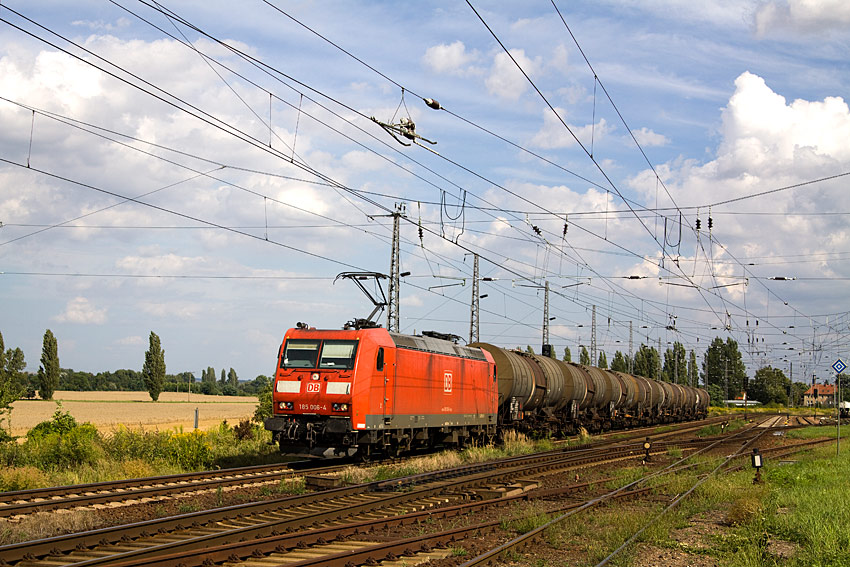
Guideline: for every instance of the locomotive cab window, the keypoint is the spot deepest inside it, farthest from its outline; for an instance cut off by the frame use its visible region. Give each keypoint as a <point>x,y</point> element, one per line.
<point>300,353</point>
<point>338,354</point>
<point>379,365</point>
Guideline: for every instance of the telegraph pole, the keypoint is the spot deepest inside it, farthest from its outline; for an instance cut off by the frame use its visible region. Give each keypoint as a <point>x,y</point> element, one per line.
<point>474,319</point>
<point>393,311</point>
<point>659,358</point>
<point>545,319</point>
<point>593,360</point>
<point>631,351</point>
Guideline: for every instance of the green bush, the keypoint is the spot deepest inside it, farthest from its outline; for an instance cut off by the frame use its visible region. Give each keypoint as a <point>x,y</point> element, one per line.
<point>75,447</point>
<point>62,422</point>
<point>189,451</point>
<point>22,478</point>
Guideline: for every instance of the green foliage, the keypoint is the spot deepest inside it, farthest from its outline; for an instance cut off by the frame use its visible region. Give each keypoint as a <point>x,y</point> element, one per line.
<point>804,505</point>
<point>584,356</point>
<point>568,357</point>
<point>769,385</point>
<point>675,365</point>
<point>527,517</point>
<point>11,384</point>
<point>715,394</point>
<point>647,362</point>
<point>722,362</point>
<point>264,407</point>
<point>61,423</point>
<point>153,371</point>
<point>48,372</point>
<point>619,362</point>
<point>603,360</point>
<point>22,478</point>
<point>60,443</point>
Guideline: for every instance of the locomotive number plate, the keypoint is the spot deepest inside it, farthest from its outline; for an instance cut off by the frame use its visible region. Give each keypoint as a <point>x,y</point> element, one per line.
<point>312,407</point>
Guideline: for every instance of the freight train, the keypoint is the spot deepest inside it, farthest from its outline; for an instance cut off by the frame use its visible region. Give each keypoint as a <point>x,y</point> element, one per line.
<point>374,394</point>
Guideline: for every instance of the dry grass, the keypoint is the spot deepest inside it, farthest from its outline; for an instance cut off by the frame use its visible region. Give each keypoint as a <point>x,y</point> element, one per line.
<point>44,525</point>
<point>109,410</point>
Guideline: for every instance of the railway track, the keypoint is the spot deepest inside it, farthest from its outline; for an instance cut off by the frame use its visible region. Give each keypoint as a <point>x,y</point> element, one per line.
<point>23,502</point>
<point>18,504</point>
<point>189,533</point>
<point>317,528</point>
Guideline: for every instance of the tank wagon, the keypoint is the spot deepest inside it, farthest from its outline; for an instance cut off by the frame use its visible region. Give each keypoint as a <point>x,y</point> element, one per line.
<point>372,393</point>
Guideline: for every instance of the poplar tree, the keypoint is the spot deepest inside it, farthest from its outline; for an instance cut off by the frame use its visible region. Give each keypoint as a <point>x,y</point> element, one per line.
<point>48,372</point>
<point>723,366</point>
<point>584,356</point>
<point>10,390</point>
<point>619,363</point>
<point>603,360</point>
<point>646,362</point>
<point>153,371</point>
<point>568,357</point>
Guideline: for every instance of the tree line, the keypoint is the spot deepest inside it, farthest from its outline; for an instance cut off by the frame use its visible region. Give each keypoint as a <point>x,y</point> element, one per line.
<point>722,372</point>
<point>16,383</point>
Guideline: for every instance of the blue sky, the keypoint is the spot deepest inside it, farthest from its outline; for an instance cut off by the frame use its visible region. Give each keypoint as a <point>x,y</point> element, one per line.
<point>229,242</point>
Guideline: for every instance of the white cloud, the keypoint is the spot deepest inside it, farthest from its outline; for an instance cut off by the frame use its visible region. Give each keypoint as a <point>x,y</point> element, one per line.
<point>80,310</point>
<point>760,130</point>
<point>506,80</point>
<point>100,25</point>
<point>553,135</point>
<point>411,301</point>
<point>174,309</point>
<point>767,143</point>
<point>135,340</point>
<point>647,138</point>
<point>808,16</point>
<point>450,59</point>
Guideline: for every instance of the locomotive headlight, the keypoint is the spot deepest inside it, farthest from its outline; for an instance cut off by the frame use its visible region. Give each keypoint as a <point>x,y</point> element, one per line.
<point>340,407</point>
<point>285,405</point>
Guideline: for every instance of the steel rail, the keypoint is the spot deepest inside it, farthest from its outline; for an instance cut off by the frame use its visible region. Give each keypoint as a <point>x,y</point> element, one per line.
<point>470,475</point>
<point>236,551</point>
<point>523,540</point>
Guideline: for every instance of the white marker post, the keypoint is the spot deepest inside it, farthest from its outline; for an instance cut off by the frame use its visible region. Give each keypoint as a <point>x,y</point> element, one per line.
<point>839,367</point>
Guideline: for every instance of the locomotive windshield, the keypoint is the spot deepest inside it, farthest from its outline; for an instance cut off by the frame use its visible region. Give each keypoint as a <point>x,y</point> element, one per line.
<point>304,353</point>
<point>338,354</point>
<point>300,353</point>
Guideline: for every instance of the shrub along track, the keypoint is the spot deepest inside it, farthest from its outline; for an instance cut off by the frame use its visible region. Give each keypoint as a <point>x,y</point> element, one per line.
<point>202,534</point>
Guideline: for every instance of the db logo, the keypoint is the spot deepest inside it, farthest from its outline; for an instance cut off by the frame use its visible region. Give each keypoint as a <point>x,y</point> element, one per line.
<point>314,387</point>
<point>447,382</point>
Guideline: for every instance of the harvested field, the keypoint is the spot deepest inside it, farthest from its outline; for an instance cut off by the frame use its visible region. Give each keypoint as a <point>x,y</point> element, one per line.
<point>135,410</point>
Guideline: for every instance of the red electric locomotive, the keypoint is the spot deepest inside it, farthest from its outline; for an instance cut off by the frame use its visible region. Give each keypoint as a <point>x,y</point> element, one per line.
<point>374,393</point>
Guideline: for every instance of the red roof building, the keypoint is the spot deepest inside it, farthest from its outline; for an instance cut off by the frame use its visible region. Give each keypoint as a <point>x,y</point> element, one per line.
<point>822,395</point>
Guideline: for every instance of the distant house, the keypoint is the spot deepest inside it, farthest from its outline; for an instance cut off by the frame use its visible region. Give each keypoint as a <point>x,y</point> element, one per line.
<point>822,395</point>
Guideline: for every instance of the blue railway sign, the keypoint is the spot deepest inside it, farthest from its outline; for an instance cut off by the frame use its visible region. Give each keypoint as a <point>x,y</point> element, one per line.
<point>839,366</point>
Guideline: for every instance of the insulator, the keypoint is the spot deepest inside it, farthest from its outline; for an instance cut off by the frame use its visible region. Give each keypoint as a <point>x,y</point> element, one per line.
<point>699,224</point>
<point>536,230</point>
<point>432,103</point>
<point>420,233</point>
<point>710,223</point>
